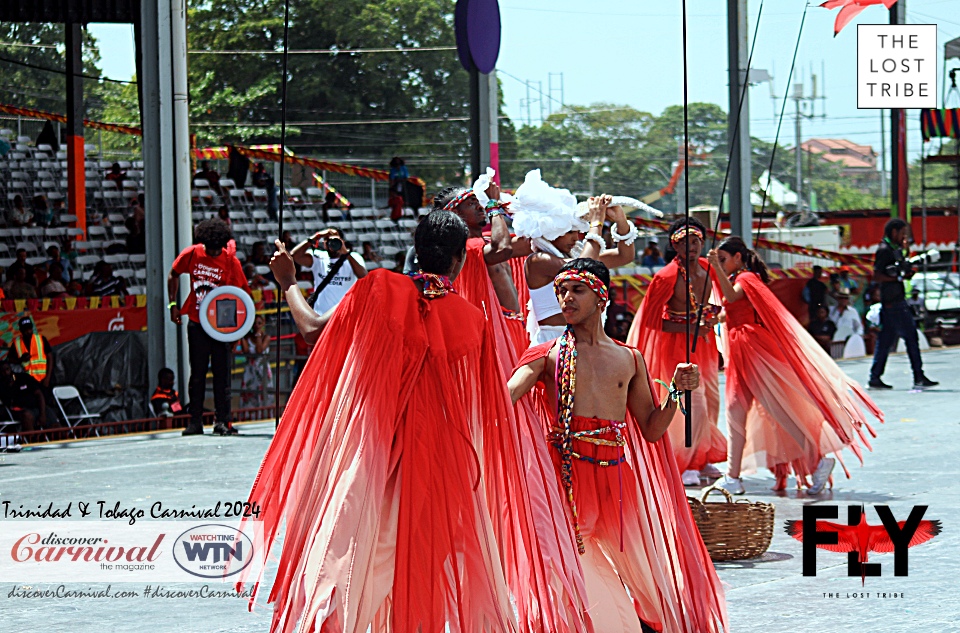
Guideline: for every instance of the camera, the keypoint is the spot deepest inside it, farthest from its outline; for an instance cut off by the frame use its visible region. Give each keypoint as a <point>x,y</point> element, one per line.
<point>333,245</point>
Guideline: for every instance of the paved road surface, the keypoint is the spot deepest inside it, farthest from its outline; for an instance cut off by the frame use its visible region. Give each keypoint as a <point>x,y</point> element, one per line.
<point>915,462</point>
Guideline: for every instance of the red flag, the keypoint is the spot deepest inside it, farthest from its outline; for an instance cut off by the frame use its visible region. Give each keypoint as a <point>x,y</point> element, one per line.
<point>849,9</point>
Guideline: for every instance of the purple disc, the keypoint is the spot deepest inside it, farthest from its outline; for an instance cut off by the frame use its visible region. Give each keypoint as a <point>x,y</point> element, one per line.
<point>483,33</point>
<point>460,21</point>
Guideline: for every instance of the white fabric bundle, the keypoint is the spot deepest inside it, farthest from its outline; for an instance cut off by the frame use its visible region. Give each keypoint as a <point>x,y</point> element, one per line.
<point>540,210</point>
<point>482,184</point>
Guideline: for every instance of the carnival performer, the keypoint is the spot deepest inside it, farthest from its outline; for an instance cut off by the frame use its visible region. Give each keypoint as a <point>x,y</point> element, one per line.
<point>376,467</point>
<point>487,282</point>
<point>659,331</point>
<point>642,556</point>
<point>788,403</point>
<point>487,265</point>
<point>550,218</point>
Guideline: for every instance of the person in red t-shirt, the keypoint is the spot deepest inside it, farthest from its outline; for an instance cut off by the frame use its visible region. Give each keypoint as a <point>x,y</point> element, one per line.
<point>210,264</point>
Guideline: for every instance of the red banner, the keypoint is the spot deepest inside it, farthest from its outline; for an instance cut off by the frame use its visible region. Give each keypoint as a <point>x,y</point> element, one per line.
<point>60,326</point>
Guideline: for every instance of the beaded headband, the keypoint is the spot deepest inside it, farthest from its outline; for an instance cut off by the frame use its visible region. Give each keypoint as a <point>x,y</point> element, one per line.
<point>586,278</point>
<point>683,231</point>
<point>453,204</point>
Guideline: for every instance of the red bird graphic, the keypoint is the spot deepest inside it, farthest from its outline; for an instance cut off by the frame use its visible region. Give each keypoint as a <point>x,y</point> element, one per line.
<point>863,538</point>
<point>850,9</point>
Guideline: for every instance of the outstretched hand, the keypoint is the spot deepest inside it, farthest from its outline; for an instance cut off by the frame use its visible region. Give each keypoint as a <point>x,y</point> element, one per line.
<point>714,260</point>
<point>687,376</point>
<point>283,267</point>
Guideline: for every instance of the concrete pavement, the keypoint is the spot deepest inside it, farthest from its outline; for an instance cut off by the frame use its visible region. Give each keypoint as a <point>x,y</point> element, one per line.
<point>915,462</point>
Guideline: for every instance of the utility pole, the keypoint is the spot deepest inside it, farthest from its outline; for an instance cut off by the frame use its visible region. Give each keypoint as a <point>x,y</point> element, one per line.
<point>883,154</point>
<point>797,98</point>
<point>741,176</point>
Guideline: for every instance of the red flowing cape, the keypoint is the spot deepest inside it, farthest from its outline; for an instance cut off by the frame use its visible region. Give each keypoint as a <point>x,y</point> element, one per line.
<point>837,397</point>
<point>542,565</point>
<point>663,351</point>
<point>376,469</point>
<point>661,543</point>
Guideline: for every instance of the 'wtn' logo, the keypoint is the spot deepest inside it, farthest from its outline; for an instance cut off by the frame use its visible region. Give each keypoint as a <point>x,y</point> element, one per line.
<point>858,538</point>
<point>201,550</point>
<point>213,551</point>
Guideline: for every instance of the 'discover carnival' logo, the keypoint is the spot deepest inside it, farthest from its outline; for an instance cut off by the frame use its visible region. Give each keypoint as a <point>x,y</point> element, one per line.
<point>213,551</point>
<point>858,538</point>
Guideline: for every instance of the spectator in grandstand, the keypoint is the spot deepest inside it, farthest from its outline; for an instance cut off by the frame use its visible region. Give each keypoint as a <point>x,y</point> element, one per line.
<point>258,254</point>
<point>263,180</point>
<point>33,351</point>
<point>104,282</point>
<point>48,136</point>
<point>256,371</point>
<point>53,252</point>
<point>210,265</point>
<point>400,261</point>
<point>652,256</point>
<point>19,286</point>
<point>54,285</point>
<point>398,184</point>
<point>57,210</point>
<point>165,399</point>
<point>224,214</point>
<point>210,175</point>
<point>618,318</point>
<point>18,216</point>
<point>116,174</point>
<point>22,394</point>
<point>288,242</point>
<point>42,213</point>
<point>815,292</point>
<point>330,202</point>
<point>334,266</point>
<point>136,237</point>
<point>255,280</point>
<point>822,328</point>
<point>137,212</point>
<point>369,254</point>
<point>20,262</point>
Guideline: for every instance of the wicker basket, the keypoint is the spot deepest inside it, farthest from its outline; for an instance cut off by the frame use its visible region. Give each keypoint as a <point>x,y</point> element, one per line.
<point>733,530</point>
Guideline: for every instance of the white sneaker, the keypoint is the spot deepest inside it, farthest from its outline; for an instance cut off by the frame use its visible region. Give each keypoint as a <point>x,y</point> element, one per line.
<point>733,485</point>
<point>710,472</point>
<point>690,478</point>
<point>821,475</point>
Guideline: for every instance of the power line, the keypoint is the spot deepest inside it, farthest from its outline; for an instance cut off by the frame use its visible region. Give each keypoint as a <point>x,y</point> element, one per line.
<point>328,51</point>
<point>325,123</point>
<point>63,72</point>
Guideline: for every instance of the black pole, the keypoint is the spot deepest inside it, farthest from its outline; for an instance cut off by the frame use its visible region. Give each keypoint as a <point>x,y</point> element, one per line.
<point>280,195</point>
<point>687,396</point>
<point>475,167</point>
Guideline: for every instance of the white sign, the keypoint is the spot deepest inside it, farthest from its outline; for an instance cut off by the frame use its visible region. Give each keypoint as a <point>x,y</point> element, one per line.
<point>896,66</point>
<point>118,551</point>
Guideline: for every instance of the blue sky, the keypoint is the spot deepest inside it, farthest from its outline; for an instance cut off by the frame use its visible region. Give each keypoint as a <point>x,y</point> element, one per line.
<point>629,52</point>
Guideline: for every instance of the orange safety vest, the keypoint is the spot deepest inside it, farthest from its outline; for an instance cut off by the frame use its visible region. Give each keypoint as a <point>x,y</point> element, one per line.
<point>37,365</point>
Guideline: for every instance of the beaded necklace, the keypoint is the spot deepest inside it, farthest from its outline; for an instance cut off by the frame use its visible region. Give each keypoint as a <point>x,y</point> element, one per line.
<point>566,387</point>
<point>434,286</point>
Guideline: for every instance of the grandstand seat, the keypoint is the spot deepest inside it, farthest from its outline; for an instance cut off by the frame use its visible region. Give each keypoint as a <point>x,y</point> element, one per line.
<point>55,233</point>
<point>389,264</point>
<point>64,394</point>
<point>201,183</point>
<point>30,247</point>
<point>407,223</point>
<point>37,260</point>
<point>236,215</point>
<point>69,218</point>
<point>103,164</point>
<point>120,258</point>
<point>120,232</point>
<point>138,258</point>
<point>227,183</point>
<point>136,290</point>
<point>363,225</point>
<point>262,270</point>
<point>108,184</point>
<point>123,273</point>
<point>125,164</point>
<point>390,251</point>
<point>312,225</point>
<point>115,218</point>
<point>259,196</point>
<point>384,224</point>
<point>96,232</point>
<point>238,197</point>
<point>260,216</point>
<point>350,237</point>
<point>86,261</point>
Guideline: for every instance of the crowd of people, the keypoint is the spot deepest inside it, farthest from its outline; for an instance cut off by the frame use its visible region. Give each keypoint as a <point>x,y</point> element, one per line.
<point>521,304</point>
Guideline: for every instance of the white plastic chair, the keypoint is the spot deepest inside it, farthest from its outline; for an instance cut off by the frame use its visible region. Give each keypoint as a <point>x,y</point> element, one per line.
<point>67,393</point>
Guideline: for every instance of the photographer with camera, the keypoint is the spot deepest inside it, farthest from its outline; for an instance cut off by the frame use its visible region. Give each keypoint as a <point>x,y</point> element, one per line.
<point>890,268</point>
<point>335,268</point>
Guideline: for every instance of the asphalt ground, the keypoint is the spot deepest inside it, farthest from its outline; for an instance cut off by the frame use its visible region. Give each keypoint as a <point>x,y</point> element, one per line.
<point>914,462</point>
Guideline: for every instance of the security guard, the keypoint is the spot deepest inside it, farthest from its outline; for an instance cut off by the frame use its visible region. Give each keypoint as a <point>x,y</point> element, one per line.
<point>33,351</point>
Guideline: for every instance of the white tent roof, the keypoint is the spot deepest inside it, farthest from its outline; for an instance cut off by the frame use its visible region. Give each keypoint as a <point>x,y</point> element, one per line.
<point>952,49</point>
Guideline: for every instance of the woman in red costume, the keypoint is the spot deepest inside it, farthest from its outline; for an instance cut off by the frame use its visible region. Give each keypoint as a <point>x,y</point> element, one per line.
<point>788,404</point>
<point>644,563</point>
<point>486,281</point>
<point>660,333</point>
<point>378,464</point>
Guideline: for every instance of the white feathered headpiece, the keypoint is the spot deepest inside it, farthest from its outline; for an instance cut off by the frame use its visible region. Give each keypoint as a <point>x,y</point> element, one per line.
<point>540,210</point>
